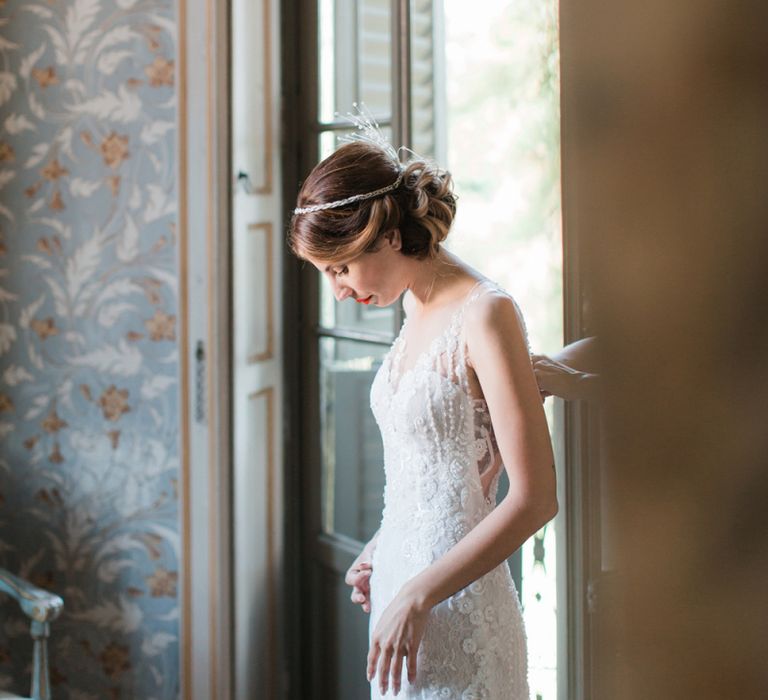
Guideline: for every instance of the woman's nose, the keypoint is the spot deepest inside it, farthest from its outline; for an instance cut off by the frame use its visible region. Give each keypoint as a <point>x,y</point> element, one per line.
<point>341,291</point>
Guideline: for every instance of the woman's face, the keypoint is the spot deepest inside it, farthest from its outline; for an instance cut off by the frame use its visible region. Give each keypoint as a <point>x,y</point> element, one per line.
<point>371,278</point>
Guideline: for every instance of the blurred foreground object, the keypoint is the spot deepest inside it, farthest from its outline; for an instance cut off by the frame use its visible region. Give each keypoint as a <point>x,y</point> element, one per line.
<point>665,158</point>
<point>42,608</point>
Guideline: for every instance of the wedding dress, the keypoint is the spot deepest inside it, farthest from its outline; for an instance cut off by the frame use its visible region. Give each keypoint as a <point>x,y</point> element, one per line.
<point>442,469</point>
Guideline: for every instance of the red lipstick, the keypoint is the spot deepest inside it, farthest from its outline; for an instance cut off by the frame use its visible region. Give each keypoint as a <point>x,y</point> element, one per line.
<point>365,301</point>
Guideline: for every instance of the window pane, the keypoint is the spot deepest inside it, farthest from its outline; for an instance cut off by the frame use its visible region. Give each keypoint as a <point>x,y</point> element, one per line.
<point>375,56</point>
<point>355,57</point>
<point>326,59</point>
<point>502,93</point>
<point>427,80</point>
<point>331,140</point>
<point>352,479</point>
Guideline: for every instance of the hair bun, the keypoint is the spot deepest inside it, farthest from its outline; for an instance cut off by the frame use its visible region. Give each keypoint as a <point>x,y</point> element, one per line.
<point>432,200</point>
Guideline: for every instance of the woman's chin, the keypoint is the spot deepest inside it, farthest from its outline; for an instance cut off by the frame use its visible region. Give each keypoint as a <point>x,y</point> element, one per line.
<point>375,300</point>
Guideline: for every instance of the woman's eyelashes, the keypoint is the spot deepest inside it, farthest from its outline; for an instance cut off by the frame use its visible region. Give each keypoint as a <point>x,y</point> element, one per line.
<point>343,271</point>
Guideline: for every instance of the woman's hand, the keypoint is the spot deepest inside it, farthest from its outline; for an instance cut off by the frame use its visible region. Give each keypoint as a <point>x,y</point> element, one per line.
<point>558,379</point>
<point>398,634</point>
<point>359,576</point>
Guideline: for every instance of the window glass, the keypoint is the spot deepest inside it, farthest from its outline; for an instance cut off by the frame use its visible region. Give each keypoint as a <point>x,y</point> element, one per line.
<point>355,57</point>
<point>352,479</point>
<point>331,140</point>
<point>503,136</point>
<point>427,80</point>
<point>375,51</point>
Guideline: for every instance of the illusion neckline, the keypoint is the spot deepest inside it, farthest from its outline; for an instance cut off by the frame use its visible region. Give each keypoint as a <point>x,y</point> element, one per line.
<point>401,343</point>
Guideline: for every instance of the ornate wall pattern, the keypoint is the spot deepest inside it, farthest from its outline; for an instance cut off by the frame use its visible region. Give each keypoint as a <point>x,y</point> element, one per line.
<point>88,352</point>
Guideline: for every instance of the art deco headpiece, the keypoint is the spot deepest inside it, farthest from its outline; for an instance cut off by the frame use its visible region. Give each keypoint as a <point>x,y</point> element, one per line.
<point>368,131</point>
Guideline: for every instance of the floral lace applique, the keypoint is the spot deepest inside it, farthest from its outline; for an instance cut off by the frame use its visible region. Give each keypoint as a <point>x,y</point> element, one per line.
<point>442,466</point>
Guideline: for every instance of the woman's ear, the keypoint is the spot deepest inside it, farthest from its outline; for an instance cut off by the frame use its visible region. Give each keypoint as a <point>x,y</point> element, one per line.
<point>394,239</point>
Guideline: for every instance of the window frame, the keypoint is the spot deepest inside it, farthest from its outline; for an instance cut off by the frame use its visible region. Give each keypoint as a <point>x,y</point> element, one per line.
<point>579,493</point>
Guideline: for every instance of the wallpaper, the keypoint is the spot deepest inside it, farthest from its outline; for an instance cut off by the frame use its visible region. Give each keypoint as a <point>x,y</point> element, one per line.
<point>89,429</point>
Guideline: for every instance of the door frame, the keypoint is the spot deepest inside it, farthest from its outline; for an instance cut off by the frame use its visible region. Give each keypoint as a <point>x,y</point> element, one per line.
<point>582,484</point>
<point>578,491</point>
<point>204,197</point>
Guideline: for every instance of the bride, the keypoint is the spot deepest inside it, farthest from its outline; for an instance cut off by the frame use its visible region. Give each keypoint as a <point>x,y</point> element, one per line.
<point>456,402</point>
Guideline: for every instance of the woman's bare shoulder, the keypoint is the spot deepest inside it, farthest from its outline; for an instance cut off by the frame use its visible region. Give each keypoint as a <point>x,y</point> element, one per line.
<point>494,315</point>
<point>492,304</point>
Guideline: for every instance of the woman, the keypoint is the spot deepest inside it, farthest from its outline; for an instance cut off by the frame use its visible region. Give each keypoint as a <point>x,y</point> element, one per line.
<point>455,400</point>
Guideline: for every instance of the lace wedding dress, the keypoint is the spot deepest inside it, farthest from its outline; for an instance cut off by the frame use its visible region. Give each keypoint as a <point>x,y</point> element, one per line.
<point>442,469</point>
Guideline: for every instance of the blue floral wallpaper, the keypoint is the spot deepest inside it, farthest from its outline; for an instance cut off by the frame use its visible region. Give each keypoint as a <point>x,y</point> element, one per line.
<point>89,458</point>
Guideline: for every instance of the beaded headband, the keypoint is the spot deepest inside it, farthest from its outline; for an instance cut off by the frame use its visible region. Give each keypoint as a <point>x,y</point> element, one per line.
<point>368,131</point>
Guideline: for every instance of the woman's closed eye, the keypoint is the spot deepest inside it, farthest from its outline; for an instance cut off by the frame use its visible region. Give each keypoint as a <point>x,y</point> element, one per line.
<point>342,271</point>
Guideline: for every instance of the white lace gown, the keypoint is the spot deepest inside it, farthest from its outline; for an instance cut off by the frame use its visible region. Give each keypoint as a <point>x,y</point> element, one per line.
<point>442,469</point>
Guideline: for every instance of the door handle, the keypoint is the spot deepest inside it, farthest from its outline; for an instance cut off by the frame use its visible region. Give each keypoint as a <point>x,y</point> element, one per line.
<point>244,180</point>
<point>200,382</point>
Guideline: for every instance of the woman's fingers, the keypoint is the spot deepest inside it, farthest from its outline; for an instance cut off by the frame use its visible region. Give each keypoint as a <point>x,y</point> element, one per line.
<point>355,570</point>
<point>373,659</point>
<point>411,664</point>
<point>361,594</point>
<point>385,661</point>
<point>398,633</point>
<point>361,583</point>
<point>397,670</point>
<point>358,578</point>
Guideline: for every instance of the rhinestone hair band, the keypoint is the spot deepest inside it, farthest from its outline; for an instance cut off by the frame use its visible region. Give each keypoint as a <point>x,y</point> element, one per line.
<point>368,131</point>
<point>349,200</point>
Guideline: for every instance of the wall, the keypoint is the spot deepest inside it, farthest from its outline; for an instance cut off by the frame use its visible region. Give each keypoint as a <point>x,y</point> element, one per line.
<point>88,350</point>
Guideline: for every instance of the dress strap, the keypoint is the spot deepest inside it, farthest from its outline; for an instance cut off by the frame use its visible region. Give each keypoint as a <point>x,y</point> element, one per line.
<point>483,287</point>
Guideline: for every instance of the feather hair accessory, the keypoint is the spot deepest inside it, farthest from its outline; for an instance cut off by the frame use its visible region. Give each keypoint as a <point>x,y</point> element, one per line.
<point>367,131</point>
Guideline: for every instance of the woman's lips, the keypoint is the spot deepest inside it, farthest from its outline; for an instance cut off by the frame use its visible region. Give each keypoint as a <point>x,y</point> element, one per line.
<point>365,301</point>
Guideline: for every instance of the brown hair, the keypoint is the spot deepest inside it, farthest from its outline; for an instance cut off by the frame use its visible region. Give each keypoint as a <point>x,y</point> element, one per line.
<point>422,207</point>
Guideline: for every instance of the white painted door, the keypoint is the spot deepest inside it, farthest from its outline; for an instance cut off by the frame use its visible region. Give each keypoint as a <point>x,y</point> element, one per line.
<point>256,351</point>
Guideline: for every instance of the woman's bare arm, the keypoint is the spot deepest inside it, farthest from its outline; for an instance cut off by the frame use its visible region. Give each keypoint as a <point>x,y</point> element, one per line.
<point>571,373</point>
<point>500,358</point>
<point>580,355</point>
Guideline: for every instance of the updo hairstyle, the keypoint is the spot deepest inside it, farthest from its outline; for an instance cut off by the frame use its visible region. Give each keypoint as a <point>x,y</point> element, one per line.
<point>422,207</point>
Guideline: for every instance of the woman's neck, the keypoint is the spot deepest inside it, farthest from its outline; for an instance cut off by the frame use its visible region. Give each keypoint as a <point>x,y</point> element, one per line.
<point>436,281</point>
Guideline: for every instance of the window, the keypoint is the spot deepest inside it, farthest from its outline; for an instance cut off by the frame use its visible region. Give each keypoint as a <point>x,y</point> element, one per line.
<point>479,92</point>
<point>502,121</point>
